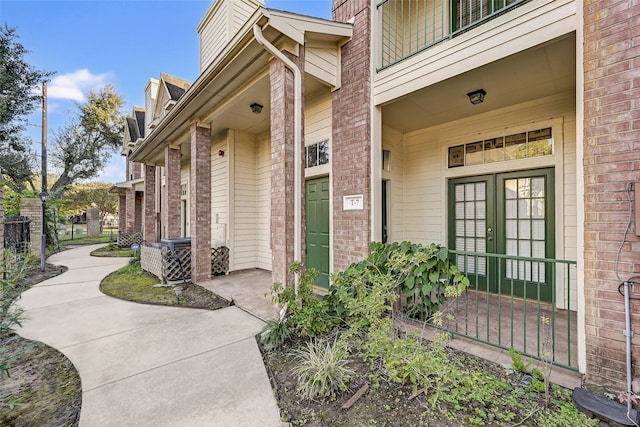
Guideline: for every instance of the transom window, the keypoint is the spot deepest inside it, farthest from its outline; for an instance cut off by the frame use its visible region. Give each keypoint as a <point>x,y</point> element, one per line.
<point>317,154</point>
<point>521,145</point>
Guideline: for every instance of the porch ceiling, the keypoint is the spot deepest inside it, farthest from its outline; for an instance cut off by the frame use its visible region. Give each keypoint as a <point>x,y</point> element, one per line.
<point>545,70</point>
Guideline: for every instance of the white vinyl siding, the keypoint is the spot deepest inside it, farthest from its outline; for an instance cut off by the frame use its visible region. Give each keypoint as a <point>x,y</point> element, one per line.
<point>151,92</point>
<point>220,24</point>
<point>392,141</point>
<point>185,175</point>
<point>317,118</point>
<point>219,188</point>
<point>245,213</point>
<point>214,35</point>
<point>242,11</point>
<point>263,190</point>
<point>317,126</point>
<point>419,199</point>
<point>322,63</point>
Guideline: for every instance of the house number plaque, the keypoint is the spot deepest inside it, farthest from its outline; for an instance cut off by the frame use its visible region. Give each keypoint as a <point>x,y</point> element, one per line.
<point>353,203</point>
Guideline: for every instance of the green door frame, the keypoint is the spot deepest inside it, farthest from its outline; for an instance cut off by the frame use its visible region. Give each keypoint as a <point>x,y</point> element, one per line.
<point>317,228</point>
<point>495,232</point>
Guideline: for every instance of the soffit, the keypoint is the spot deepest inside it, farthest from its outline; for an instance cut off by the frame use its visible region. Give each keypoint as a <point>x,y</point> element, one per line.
<point>542,71</point>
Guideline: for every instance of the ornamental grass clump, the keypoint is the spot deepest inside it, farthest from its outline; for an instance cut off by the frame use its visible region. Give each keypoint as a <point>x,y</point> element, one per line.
<point>322,369</point>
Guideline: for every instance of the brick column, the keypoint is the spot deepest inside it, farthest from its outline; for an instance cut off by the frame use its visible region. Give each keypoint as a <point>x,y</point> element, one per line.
<point>130,217</point>
<point>611,165</point>
<point>32,208</point>
<point>122,212</point>
<point>137,226</point>
<point>282,168</point>
<point>171,199</point>
<point>351,137</point>
<point>149,225</point>
<point>200,192</point>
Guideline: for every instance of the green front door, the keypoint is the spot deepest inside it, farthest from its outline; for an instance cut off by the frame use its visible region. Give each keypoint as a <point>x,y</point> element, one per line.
<point>317,226</point>
<point>511,214</point>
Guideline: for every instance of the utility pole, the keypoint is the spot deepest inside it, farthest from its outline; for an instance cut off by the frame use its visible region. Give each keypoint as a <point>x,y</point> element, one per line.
<point>43,194</point>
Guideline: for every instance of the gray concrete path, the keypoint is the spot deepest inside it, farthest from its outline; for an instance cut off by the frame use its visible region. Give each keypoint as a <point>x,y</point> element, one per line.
<point>143,365</point>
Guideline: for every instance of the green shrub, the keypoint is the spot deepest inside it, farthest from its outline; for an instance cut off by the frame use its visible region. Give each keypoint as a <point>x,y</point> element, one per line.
<point>419,274</point>
<point>275,332</point>
<point>307,315</point>
<point>10,281</point>
<point>323,369</point>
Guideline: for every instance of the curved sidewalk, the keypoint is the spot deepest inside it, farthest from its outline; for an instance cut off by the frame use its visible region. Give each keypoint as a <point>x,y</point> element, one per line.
<point>144,365</point>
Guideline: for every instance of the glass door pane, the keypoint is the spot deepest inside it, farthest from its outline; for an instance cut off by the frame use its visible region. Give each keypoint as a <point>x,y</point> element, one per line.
<point>470,225</point>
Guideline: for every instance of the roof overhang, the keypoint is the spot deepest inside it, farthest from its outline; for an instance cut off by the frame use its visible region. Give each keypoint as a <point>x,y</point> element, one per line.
<point>241,65</point>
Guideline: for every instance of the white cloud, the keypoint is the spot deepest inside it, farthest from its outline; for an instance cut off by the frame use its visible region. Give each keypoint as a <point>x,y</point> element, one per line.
<point>76,85</point>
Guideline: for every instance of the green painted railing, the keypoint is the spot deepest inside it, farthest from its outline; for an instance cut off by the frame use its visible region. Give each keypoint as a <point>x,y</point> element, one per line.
<point>411,26</point>
<point>525,303</point>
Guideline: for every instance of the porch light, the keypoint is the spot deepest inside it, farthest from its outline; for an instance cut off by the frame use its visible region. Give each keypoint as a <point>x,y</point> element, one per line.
<point>477,96</point>
<point>256,108</point>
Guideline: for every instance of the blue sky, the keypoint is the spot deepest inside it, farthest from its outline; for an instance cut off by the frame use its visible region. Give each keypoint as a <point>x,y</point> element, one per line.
<point>91,43</point>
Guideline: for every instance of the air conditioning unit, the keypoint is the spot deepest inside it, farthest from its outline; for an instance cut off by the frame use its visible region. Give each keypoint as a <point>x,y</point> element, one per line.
<point>177,243</point>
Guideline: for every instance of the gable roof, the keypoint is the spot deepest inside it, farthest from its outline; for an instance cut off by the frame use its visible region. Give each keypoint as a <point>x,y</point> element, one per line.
<point>139,115</point>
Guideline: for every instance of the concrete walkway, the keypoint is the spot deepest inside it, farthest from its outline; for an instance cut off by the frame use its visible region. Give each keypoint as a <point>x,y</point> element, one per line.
<point>144,365</point>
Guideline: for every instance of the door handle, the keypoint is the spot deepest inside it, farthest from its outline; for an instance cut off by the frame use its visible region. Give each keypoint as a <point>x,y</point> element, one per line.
<point>490,238</point>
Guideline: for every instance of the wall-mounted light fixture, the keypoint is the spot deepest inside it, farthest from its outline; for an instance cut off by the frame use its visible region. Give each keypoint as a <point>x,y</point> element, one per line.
<point>221,153</point>
<point>477,96</point>
<point>256,108</point>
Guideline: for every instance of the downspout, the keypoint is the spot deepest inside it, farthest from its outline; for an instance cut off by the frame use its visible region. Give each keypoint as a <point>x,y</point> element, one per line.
<point>297,141</point>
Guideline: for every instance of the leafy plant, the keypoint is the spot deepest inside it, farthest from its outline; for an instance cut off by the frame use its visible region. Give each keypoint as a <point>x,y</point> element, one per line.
<point>275,332</point>
<point>517,361</point>
<point>425,273</point>
<point>10,280</point>
<point>306,315</point>
<point>322,369</point>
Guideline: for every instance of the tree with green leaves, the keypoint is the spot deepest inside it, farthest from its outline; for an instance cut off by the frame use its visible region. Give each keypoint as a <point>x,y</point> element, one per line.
<point>82,148</point>
<point>81,196</point>
<point>19,96</point>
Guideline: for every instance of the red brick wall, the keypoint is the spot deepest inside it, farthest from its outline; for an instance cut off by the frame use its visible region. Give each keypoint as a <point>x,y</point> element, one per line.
<point>137,225</point>
<point>282,168</point>
<point>200,191</point>
<point>134,211</point>
<point>611,163</point>
<point>171,199</point>
<point>351,139</point>
<point>149,226</point>
<point>122,212</point>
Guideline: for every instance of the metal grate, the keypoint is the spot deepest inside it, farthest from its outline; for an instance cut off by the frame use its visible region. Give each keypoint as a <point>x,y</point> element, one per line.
<point>17,234</point>
<point>411,26</point>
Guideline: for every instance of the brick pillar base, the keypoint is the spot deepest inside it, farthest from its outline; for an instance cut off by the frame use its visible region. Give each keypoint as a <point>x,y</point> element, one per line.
<point>130,207</point>
<point>282,168</point>
<point>200,189</point>
<point>611,158</point>
<point>171,199</point>
<point>122,212</point>
<point>351,139</point>
<point>149,226</point>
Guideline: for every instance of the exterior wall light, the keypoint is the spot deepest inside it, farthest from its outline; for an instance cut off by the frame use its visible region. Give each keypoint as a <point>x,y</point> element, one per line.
<point>477,96</point>
<point>256,108</point>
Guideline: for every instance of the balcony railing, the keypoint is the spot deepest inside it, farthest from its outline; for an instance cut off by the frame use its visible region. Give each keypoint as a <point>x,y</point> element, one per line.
<point>411,26</point>
<point>505,305</point>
